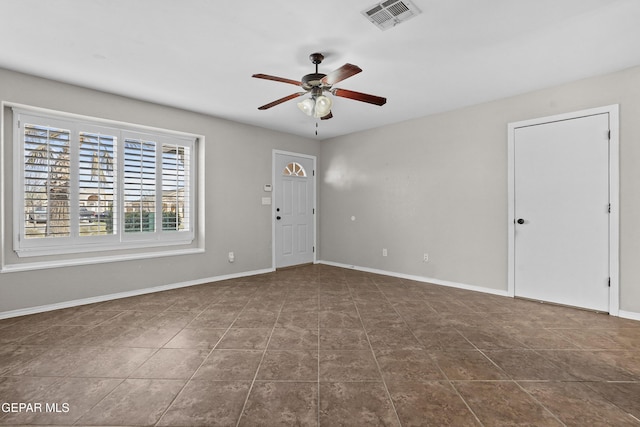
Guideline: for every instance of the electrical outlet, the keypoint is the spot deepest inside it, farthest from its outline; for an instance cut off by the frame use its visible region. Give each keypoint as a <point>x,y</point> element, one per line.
<point>232,257</point>
<point>384,251</point>
<point>426,257</point>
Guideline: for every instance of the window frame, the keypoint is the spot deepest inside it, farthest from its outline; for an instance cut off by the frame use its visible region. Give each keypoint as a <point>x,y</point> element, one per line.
<point>119,240</point>
<point>294,169</point>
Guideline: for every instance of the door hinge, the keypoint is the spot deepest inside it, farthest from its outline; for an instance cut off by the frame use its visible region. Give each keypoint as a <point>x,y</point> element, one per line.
<point>609,283</point>
<point>314,249</point>
<point>313,173</point>
<point>314,211</point>
<point>609,135</point>
<point>609,208</point>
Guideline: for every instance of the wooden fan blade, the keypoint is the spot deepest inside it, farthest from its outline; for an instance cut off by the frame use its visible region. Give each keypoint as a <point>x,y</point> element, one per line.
<point>281,100</point>
<point>327,117</point>
<point>359,96</point>
<point>344,72</point>
<point>277,79</point>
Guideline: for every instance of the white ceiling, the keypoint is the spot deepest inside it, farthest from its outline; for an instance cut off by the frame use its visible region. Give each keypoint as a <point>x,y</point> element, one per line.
<point>200,54</point>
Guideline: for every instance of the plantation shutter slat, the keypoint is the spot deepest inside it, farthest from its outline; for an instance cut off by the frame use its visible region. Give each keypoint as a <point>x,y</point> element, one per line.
<point>96,181</point>
<point>46,181</point>
<point>89,186</point>
<point>175,187</point>
<point>139,185</point>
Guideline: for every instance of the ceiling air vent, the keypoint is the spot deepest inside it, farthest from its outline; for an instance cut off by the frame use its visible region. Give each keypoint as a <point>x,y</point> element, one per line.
<point>390,13</point>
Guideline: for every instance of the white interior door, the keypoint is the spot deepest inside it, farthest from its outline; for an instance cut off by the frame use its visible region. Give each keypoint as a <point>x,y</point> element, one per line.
<point>294,209</point>
<point>561,211</point>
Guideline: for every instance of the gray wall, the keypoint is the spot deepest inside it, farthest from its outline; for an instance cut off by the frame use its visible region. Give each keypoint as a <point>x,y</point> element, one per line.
<point>235,220</point>
<point>438,184</point>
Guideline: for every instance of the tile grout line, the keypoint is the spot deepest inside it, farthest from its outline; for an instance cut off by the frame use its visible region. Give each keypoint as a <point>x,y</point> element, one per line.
<point>540,403</point>
<point>634,417</point>
<point>255,375</point>
<point>373,353</point>
<point>122,379</point>
<point>204,359</point>
<point>77,420</point>
<point>318,285</point>
<point>118,385</point>
<point>436,363</point>
<point>237,296</point>
<point>452,383</point>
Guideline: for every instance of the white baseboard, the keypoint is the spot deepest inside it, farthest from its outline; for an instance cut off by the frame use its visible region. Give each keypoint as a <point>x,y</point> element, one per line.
<point>499,292</point>
<point>621,313</point>
<point>102,298</point>
<point>136,292</point>
<point>629,315</point>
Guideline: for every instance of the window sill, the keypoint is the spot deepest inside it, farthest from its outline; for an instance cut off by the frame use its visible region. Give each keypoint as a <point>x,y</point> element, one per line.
<point>114,245</point>
<point>40,265</point>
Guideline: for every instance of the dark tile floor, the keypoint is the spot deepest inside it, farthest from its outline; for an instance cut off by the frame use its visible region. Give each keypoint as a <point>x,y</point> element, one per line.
<point>320,345</point>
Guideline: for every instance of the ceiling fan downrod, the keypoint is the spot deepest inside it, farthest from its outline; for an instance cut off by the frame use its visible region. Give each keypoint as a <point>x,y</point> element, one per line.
<point>314,84</point>
<point>316,58</point>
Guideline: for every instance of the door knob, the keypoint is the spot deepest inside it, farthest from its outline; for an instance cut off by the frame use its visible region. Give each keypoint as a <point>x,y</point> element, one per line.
<point>278,218</point>
<point>520,221</point>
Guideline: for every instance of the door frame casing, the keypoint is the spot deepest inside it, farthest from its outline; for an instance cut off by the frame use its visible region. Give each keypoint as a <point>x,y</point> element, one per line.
<point>614,195</point>
<point>274,153</point>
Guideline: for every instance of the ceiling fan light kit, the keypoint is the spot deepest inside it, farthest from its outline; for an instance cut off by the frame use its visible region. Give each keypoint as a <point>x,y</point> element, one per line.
<point>317,107</point>
<point>316,84</point>
<point>307,106</point>
<point>323,106</point>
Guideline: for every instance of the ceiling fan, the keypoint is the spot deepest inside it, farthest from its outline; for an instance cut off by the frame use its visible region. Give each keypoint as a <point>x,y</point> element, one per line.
<point>316,84</point>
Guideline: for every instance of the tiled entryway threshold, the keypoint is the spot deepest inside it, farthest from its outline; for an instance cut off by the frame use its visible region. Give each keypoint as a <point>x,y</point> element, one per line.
<point>320,345</point>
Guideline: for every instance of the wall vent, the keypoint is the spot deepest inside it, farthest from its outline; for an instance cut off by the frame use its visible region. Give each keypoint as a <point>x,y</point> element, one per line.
<point>390,13</point>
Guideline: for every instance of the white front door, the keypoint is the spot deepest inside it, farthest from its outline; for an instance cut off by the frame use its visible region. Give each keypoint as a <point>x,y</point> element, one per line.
<point>294,209</point>
<point>561,211</point>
